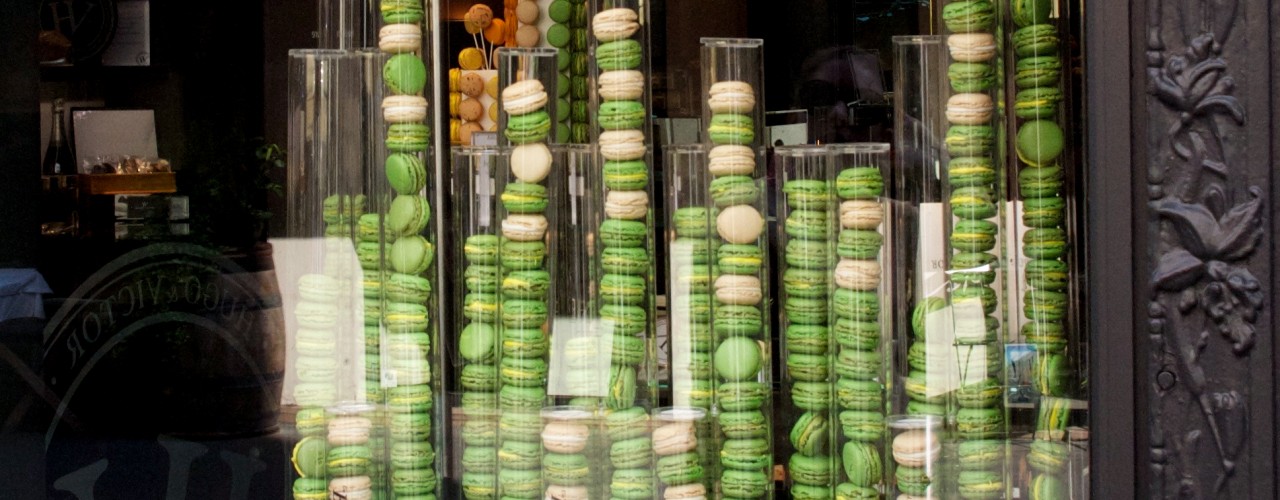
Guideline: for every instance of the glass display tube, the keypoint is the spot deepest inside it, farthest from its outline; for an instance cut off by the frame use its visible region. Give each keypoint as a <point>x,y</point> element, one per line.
<point>527,86</point>
<point>682,445</point>
<point>573,452</point>
<point>733,86</point>
<point>806,211</point>
<point>860,335</point>
<point>527,260</point>
<point>688,275</point>
<point>618,83</point>
<point>476,321</point>
<point>916,456</point>
<point>412,351</point>
<point>358,450</point>
<point>976,205</point>
<point>619,103</point>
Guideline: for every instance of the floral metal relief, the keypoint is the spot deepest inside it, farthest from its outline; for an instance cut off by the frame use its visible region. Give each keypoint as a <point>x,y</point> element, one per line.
<point>1207,223</point>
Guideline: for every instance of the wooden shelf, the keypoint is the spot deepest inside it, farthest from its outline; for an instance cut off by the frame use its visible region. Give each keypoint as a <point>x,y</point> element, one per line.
<point>128,183</point>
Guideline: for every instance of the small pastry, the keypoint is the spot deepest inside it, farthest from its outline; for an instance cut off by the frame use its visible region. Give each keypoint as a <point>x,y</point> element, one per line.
<point>621,85</point>
<point>970,109</point>
<point>531,162</point>
<point>397,38</point>
<point>627,205</point>
<point>404,109</point>
<point>470,110</point>
<point>524,97</point>
<point>471,84</point>
<point>615,24</point>
<point>731,97</point>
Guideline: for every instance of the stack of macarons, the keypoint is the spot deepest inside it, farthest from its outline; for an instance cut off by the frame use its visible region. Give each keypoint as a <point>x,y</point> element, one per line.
<point>468,93</point>
<point>567,461</point>
<point>806,209</point>
<point>1040,143</point>
<point>626,233</point>
<point>316,365</point>
<point>400,279</point>
<point>568,34</point>
<point>350,460</point>
<point>859,186</point>
<point>524,287</point>
<point>680,465</point>
<point>974,244</point>
<point>477,347</point>
<point>740,305</point>
<point>916,453</point>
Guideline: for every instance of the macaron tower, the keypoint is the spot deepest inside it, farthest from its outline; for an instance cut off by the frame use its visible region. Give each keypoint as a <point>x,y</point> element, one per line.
<point>975,203</point>
<point>806,203</point>
<point>857,330</point>
<point>1040,121</point>
<point>526,85</point>
<point>566,26</point>
<point>477,322</point>
<point>352,469</point>
<point>689,268</point>
<point>619,37</point>
<point>733,114</point>
<point>407,292</point>
<point>315,368</point>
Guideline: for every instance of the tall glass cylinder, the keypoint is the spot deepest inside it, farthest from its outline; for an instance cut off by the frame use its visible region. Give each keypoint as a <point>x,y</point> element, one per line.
<point>477,329</point>
<point>923,360</point>
<point>682,445</point>
<point>861,328</point>
<point>327,134</point>
<point>688,275</point>
<point>527,88</point>
<point>807,211</point>
<point>620,113</point>
<point>733,112</point>
<point>570,441</point>
<point>412,351</point>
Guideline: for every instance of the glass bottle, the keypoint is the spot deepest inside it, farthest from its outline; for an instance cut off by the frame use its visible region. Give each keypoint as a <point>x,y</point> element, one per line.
<point>57,158</point>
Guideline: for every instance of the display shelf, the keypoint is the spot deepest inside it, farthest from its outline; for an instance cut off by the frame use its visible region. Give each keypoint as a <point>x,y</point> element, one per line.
<point>733,113</point>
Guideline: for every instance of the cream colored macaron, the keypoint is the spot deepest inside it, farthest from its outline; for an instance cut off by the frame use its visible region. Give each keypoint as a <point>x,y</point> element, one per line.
<point>970,109</point>
<point>615,24</point>
<point>531,162</point>
<point>740,224</point>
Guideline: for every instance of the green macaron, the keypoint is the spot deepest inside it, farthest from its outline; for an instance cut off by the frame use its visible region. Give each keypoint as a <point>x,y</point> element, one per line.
<point>620,115</point>
<point>623,233</point>
<point>973,203</point>
<point>806,194</point>
<point>727,128</point>
<point>528,128</point>
<point>809,434</point>
<point>745,396</point>
<point>737,320</point>
<point>808,225</point>
<point>481,249</point>
<point>808,254</point>
<point>970,140</point>
<point>732,190</point>
<point>1037,77</point>
<point>980,484</point>
<point>1044,243</point>
<point>625,261</point>
<point>973,235</point>
<point>973,268</point>
<point>1040,142</point>
<point>806,339</point>
<point>406,173</point>
<point>1043,213</point>
<point>1036,40</point>
<point>743,424</point>
<point>970,77</point>
<point>1043,182</point>
<point>739,259</point>
<point>970,171</point>
<point>524,198</point>
<point>862,425</point>
<point>862,463</point>
<point>681,468</point>
<point>809,470</point>
<point>737,358</point>
<point>969,16</point>
<point>404,74</point>
<point>619,55</point>
<point>627,175</point>
<point>860,183</point>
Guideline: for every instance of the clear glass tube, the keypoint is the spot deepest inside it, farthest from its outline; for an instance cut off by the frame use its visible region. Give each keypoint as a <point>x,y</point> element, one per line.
<point>477,327</point>
<point>1044,183</point>
<point>413,361</point>
<point>682,445</point>
<point>861,337</point>
<point>917,456</point>
<point>618,95</point>
<point>733,86</point>
<point>807,212</point>
<point>976,206</point>
<point>688,275</point>
<point>526,266</point>
<point>534,109</point>
<point>357,434</point>
<point>327,179</point>
<point>574,452</point>
<point>621,97</point>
